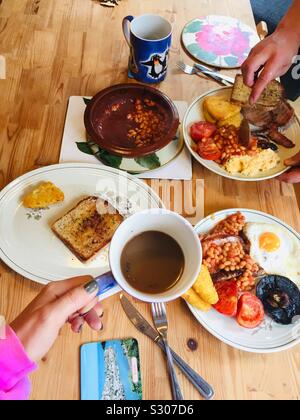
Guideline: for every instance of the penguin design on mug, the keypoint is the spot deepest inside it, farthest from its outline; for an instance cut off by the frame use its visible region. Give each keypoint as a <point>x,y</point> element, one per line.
<point>158,65</point>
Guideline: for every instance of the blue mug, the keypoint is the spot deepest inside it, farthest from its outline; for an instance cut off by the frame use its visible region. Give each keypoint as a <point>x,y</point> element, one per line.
<point>149,38</point>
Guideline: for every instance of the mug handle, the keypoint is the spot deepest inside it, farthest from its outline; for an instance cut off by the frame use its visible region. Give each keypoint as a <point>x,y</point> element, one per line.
<point>126,28</point>
<point>105,282</point>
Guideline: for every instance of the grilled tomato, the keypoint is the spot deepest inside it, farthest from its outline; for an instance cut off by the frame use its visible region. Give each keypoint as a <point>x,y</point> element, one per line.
<point>202,130</point>
<point>208,150</point>
<point>250,312</point>
<point>228,297</point>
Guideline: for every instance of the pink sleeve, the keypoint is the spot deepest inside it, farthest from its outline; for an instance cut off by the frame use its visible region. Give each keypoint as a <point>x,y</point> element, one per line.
<point>14,368</point>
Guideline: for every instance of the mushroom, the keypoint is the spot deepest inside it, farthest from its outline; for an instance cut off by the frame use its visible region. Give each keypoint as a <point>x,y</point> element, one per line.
<point>280,297</point>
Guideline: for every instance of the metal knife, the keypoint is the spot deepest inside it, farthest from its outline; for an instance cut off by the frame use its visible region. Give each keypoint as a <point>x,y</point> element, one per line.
<point>144,327</point>
<point>202,67</point>
<point>222,78</point>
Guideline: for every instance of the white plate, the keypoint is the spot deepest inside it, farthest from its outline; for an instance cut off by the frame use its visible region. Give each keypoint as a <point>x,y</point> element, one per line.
<point>195,114</point>
<point>269,337</point>
<point>28,245</point>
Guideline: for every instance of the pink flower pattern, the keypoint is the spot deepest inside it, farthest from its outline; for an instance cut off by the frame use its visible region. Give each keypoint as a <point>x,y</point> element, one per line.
<point>224,41</point>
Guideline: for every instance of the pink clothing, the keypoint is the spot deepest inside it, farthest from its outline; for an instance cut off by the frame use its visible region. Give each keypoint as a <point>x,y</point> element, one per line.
<point>14,368</point>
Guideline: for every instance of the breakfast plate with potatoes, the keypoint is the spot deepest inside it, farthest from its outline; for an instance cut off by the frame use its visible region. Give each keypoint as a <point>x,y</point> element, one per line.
<point>57,222</point>
<point>248,292</point>
<point>242,142</point>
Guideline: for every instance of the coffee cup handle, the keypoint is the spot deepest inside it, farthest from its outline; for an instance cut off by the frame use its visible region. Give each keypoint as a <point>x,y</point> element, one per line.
<point>106,282</point>
<point>126,28</point>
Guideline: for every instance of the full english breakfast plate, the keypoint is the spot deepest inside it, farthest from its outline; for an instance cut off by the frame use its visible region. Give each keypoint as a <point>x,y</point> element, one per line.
<point>259,299</point>
<point>212,130</point>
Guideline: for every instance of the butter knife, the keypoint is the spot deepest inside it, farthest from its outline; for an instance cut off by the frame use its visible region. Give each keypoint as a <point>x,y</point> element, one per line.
<point>144,327</point>
<point>219,77</point>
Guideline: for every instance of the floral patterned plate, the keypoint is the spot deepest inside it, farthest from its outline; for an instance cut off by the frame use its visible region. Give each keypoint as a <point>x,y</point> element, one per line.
<point>219,41</point>
<point>269,337</point>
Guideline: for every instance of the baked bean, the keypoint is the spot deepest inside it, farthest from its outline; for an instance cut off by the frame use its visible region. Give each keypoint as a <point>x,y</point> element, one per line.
<point>231,256</point>
<point>227,140</point>
<point>150,124</point>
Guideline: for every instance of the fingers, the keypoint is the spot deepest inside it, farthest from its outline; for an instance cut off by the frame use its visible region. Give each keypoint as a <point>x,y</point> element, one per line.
<point>293,161</point>
<point>291,177</point>
<point>93,318</point>
<point>54,291</point>
<point>77,324</point>
<point>268,74</point>
<point>85,310</point>
<point>57,289</point>
<point>88,307</point>
<point>251,66</point>
<point>99,309</point>
<point>74,300</point>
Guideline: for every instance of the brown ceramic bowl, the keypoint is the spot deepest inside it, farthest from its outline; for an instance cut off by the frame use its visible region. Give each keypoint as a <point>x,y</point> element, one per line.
<point>110,117</point>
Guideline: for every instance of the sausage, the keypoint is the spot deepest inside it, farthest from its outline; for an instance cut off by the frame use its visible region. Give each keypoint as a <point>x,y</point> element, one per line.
<point>280,138</point>
<point>226,275</point>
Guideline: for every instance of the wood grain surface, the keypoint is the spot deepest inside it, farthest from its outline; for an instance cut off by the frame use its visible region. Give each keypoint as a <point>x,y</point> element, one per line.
<point>58,48</point>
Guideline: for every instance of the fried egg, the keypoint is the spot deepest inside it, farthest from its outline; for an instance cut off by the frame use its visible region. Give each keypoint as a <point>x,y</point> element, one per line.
<point>275,249</point>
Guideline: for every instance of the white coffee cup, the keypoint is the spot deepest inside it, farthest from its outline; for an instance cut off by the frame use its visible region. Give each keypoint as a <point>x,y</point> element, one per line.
<point>171,224</point>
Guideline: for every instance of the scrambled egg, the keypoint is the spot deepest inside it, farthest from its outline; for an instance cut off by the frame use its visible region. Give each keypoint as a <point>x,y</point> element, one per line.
<point>252,166</point>
<point>44,195</point>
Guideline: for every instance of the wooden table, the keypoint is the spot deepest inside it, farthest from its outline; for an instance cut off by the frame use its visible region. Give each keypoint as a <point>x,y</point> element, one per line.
<point>55,49</point>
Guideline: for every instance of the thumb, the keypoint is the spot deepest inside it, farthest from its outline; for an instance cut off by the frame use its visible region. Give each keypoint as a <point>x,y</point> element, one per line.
<point>291,177</point>
<point>293,161</point>
<point>74,300</point>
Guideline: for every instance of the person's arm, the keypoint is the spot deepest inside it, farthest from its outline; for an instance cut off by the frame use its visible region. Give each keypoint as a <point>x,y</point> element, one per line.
<point>32,334</point>
<point>14,368</point>
<point>275,53</point>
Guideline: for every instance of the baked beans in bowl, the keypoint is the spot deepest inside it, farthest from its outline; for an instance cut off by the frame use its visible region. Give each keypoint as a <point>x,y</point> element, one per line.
<point>131,120</point>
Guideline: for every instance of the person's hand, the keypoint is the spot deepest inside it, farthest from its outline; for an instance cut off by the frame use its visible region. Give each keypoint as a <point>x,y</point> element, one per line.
<point>72,301</point>
<point>293,175</point>
<point>275,54</point>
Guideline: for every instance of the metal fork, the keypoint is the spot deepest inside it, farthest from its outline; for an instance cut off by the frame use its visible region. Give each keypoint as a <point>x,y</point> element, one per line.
<point>161,323</point>
<point>221,78</point>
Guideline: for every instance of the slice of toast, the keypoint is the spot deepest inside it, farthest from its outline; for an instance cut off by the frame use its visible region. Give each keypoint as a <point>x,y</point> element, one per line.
<point>270,97</point>
<point>88,227</point>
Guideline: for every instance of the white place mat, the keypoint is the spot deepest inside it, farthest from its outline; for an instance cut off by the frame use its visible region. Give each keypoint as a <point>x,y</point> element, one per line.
<point>74,131</point>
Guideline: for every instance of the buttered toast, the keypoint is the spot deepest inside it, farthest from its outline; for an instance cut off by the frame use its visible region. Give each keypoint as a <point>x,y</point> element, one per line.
<point>88,227</point>
<point>271,96</point>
